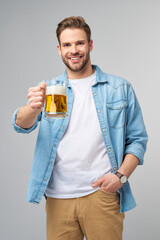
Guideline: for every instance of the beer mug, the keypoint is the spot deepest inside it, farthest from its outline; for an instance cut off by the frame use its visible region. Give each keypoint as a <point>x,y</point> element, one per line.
<point>55,99</point>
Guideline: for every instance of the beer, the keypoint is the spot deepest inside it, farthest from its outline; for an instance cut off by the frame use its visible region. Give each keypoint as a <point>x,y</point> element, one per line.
<point>55,101</point>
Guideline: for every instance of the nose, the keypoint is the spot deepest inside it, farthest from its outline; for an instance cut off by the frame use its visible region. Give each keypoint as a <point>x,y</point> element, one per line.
<point>74,49</point>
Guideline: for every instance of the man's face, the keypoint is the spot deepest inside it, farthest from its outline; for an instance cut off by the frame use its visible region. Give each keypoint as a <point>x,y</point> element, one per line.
<point>75,49</point>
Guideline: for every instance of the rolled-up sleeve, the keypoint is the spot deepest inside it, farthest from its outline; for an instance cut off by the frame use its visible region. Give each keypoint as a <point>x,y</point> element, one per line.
<point>136,135</point>
<point>24,130</point>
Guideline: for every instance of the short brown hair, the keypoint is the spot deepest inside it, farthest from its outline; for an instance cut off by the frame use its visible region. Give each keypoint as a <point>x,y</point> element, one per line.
<point>73,22</point>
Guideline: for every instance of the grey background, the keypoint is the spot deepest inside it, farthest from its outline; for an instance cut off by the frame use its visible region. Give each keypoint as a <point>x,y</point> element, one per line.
<point>126,36</point>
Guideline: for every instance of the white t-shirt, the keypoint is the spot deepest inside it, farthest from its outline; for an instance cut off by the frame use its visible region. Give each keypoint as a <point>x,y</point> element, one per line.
<point>81,156</point>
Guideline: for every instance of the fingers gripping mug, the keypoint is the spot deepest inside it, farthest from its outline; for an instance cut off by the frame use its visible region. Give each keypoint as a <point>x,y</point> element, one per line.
<point>55,99</point>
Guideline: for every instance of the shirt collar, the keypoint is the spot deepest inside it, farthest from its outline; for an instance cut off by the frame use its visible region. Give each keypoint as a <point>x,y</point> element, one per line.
<point>100,76</point>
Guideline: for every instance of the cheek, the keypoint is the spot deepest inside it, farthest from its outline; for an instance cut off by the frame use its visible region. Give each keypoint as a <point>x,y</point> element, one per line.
<point>87,50</point>
<point>64,53</point>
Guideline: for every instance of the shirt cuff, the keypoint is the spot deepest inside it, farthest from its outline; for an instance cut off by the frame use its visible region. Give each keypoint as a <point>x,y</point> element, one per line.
<point>137,151</point>
<point>20,129</point>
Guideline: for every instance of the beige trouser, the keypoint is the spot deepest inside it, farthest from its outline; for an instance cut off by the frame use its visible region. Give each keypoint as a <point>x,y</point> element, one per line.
<point>96,216</point>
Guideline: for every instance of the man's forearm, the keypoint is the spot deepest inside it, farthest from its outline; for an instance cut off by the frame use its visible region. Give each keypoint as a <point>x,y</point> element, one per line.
<point>27,116</point>
<point>129,164</point>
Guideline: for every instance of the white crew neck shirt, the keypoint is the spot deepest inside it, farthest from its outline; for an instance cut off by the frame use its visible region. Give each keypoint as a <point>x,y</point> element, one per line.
<point>81,157</point>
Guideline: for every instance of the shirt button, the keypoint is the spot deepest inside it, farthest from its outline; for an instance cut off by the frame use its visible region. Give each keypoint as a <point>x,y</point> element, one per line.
<point>95,94</point>
<point>104,129</point>
<point>98,110</point>
<point>54,145</point>
<point>62,126</point>
<point>45,179</point>
<point>119,106</point>
<point>50,161</point>
<point>109,149</point>
<point>115,169</point>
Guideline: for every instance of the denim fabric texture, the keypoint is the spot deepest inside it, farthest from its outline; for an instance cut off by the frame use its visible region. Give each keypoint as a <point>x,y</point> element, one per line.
<point>122,127</point>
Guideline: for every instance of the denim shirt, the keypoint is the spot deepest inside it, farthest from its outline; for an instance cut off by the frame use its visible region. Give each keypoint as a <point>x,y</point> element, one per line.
<point>122,127</point>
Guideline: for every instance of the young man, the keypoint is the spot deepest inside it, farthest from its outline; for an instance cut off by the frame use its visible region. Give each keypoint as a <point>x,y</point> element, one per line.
<point>82,163</point>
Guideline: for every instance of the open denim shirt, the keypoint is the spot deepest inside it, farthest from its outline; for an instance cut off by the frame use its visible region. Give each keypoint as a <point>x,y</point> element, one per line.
<point>122,127</point>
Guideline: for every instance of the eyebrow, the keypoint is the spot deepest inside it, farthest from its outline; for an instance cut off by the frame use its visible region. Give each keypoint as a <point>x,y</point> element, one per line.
<point>65,43</point>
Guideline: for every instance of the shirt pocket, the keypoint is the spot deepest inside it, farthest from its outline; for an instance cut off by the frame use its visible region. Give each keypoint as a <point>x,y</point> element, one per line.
<point>50,120</point>
<point>116,113</point>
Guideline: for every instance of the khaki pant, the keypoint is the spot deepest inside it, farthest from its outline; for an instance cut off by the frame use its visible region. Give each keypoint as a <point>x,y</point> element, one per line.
<point>96,216</point>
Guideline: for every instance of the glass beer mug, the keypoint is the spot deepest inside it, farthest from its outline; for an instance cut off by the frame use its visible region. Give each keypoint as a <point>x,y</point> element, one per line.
<point>56,99</point>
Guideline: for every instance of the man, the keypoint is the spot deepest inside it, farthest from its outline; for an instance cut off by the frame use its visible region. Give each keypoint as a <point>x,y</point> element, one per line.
<point>82,163</point>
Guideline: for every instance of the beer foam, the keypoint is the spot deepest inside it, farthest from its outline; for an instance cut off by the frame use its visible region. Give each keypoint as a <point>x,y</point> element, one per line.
<point>60,90</point>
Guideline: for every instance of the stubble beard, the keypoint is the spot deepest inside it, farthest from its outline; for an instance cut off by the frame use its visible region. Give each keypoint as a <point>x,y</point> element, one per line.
<point>78,68</point>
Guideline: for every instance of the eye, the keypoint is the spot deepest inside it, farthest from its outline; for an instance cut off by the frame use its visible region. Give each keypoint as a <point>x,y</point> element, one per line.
<point>66,45</point>
<point>80,43</point>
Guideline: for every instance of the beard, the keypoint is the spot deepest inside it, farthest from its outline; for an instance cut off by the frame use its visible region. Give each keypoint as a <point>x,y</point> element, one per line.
<point>77,67</point>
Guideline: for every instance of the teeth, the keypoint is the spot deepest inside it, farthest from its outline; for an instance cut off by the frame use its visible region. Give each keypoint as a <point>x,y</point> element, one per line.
<point>75,58</point>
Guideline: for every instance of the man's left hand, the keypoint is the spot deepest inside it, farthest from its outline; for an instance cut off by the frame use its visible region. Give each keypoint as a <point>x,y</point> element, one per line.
<point>108,183</point>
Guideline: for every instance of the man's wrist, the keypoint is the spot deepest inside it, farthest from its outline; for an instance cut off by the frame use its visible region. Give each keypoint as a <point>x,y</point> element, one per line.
<point>123,179</point>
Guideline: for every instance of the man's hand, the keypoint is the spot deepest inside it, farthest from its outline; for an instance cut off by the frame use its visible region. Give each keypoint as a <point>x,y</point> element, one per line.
<point>27,115</point>
<point>108,183</point>
<point>36,96</point>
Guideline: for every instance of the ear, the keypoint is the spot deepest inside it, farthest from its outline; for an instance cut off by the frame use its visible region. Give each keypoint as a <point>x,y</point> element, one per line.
<point>91,45</point>
<point>59,49</point>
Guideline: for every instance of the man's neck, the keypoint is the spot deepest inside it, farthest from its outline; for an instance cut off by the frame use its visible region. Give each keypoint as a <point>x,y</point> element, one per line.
<point>84,73</point>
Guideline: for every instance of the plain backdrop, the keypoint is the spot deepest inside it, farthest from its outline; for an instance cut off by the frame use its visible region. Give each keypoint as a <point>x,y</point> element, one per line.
<point>126,37</point>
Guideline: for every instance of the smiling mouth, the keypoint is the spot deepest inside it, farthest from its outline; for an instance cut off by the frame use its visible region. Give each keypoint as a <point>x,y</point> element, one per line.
<point>75,59</point>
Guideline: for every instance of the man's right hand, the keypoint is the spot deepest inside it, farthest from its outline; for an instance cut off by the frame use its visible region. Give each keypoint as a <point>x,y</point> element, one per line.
<point>36,96</point>
<point>27,115</point>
